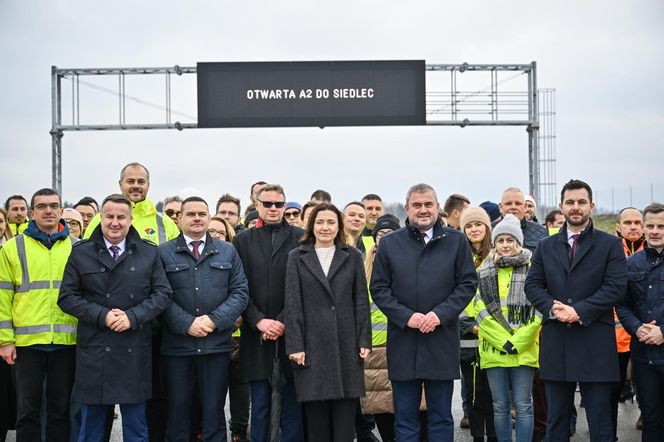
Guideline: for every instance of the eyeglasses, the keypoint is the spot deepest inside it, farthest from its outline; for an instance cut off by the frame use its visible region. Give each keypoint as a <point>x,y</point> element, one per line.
<point>293,214</point>
<point>269,204</point>
<point>73,223</point>
<point>217,233</point>
<point>171,212</point>
<point>226,213</point>
<point>43,206</point>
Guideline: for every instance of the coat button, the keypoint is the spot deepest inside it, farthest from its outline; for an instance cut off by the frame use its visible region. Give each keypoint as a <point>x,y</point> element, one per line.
<point>570,300</point>
<point>103,269</point>
<point>198,350</point>
<point>108,349</point>
<point>131,269</point>
<point>108,295</point>
<point>198,310</point>
<point>130,251</point>
<point>195,268</point>
<point>129,349</point>
<point>333,308</point>
<point>569,325</point>
<point>131,296</point>
<point>196,288</point>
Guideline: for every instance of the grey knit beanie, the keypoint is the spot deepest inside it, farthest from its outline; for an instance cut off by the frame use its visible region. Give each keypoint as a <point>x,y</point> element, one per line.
<point>510,225</point>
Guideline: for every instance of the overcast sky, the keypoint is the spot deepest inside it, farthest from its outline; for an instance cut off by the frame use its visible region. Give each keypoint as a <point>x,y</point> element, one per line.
<point>604,58</point>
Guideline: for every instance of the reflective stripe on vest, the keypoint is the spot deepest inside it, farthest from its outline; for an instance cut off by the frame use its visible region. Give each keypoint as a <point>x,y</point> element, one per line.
<point>4,285</point>
<point>64,328</point>
<point>26,285</point>
<point>32,329</point>
<point>161,230</point>
<point>618,324</point>
<point>463,314</point>
<point>469,343</point>
<point>481,315</point>
<point>378,326</point>
<point>6,324</point>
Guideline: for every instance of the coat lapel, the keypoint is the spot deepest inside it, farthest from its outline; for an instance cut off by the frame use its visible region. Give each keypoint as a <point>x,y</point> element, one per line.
<point>581,249</point>
<point>340,257</point>
<point>282,234</point>
<point>310,260</point>
<point>562,250</point>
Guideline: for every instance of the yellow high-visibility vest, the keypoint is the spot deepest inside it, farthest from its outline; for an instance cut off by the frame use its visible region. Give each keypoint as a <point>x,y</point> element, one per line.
<point>30,278</point>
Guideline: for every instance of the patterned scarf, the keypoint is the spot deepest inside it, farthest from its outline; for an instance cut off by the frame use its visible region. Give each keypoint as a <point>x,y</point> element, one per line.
<point>519,310</point>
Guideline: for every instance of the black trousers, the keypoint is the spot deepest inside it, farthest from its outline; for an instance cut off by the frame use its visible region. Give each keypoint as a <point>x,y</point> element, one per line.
<point>238,396</point>
<point>597,400</point>
<point>650,386</point>
<point>330,421</point>
<point>478,400</point>
<point>617,387</point>
<point>210,373</point>
<point>33,367</point>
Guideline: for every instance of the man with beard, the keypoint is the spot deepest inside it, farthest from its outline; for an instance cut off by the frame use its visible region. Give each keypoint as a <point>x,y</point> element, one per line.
<point>576,276</point>
<point>17,214</point>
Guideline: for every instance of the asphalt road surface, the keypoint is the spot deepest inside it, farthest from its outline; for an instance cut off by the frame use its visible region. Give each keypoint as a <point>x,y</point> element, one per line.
<point>628,413</point>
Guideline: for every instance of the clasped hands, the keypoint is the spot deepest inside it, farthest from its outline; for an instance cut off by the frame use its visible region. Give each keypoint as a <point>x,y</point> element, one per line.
<point>424,323</point>
<point>201,327</point>
<point>117,320</point>
<point>299,357</point>
<point>564,312</point>
<point>270,329</point>
<point>650,333</point>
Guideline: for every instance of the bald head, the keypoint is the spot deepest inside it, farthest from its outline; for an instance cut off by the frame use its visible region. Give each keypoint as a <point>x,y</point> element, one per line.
<point>630,224</point>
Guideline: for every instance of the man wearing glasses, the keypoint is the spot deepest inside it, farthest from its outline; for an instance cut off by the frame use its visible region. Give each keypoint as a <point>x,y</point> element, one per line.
<point>172,205</point>
<point>228,208</point>
<point>36,336</point>
<point>264,252</point>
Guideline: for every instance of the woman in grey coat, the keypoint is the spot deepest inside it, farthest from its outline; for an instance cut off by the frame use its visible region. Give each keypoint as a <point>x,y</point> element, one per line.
<point>328,331</point>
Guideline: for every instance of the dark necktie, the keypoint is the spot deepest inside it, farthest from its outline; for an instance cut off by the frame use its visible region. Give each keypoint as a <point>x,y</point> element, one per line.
<point>194,245</point>
<point>575,241</point>
<point>115,252</point>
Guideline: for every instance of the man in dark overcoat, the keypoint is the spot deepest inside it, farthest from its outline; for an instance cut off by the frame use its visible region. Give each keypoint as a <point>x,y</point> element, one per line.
<point>576,276</point>
<point>114,283</point>
<point>423,278</point>
<point>264,253</point>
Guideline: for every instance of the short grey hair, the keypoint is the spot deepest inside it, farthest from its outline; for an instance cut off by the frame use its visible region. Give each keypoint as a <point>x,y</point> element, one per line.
<point>170,199</point>
<point>421,188</point>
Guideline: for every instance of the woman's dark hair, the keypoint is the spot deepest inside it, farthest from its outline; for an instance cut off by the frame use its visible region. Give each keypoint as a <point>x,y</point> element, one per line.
<point>309,238</point>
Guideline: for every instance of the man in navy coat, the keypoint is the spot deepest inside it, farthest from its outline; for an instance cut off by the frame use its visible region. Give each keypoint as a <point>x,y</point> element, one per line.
<point>575,278</point>
<point>423,278</point>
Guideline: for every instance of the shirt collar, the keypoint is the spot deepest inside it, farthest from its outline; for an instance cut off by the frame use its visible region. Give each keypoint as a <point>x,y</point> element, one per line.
<point>188,240</point>
<point>122,245</point>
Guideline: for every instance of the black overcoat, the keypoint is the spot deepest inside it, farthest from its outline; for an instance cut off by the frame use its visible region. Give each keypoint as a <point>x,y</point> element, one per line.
<point>113,367</point>
<point>593,283</point>
<point>264,262</point>
<point>328,318</point>
<point>409,277</point>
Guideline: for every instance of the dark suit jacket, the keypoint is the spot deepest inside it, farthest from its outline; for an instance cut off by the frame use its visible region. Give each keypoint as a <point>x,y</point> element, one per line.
<point>593,283</point>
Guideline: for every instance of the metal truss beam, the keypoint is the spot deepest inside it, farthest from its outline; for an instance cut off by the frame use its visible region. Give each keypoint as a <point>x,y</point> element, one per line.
<point>491,106</point>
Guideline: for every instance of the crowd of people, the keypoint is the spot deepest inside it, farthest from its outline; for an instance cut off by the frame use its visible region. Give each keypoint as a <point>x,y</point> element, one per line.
<point>323,322</point>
